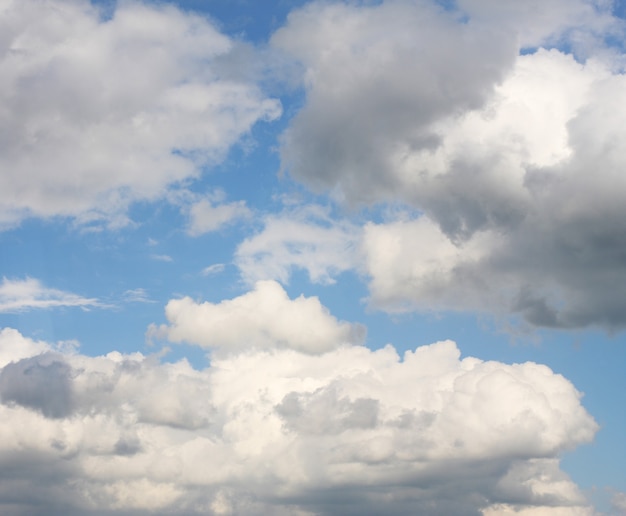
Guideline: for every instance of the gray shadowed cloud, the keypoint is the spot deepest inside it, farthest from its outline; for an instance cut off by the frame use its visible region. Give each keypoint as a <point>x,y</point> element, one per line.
<point>514,160</point>
<point>42,383</point>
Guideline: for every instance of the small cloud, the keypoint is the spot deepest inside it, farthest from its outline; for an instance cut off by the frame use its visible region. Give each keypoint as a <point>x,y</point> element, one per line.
<point>205,216</point>
<point>137,295</point>
<point>216,268</point>
<point>152,242</point>
<point>29,293</point>
<point>162,257</point>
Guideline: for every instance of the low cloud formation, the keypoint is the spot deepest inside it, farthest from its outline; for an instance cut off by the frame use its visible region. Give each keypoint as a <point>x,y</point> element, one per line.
<point>514,158</point>
<point>106,112</point>
<point>350,431</point>
<point>18,295</point>
<point>262,318</point>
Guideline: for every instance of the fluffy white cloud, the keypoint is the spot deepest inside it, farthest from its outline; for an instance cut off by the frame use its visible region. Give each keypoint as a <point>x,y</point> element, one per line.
<point>516,158</point>
<point>29,293</point>
<point>16,347</point>
<point>98,113</point>
<point>300,238</point>
<point>262,318</point>
<point>413,264</point>
<point>283,432</point>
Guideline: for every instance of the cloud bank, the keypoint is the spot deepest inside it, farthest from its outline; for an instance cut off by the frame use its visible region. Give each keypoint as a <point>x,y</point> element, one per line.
<point>279,431</point>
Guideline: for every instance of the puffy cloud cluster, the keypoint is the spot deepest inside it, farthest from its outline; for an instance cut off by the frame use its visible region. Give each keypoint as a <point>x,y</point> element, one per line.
<point>514,161</point>
<point>97,113</point>
<point>278,431</point>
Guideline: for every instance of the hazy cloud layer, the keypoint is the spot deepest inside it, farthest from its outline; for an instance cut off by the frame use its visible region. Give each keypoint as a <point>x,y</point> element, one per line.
<point>517,159</point>
<point>98,114</point>
<point>350,431</point>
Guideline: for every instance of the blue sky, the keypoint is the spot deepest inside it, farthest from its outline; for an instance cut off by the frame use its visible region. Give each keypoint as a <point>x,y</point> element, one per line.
<point>386,236</point>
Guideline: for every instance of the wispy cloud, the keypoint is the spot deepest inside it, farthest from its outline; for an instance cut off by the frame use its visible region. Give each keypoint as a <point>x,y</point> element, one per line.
<point>137,295</point>
<point>216,268</point>
<point>162,257</point>
<point>18,295</point>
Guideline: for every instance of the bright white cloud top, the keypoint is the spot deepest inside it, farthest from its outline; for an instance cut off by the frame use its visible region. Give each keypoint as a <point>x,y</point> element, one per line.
<point>278,220</point>
<point>349,431</point>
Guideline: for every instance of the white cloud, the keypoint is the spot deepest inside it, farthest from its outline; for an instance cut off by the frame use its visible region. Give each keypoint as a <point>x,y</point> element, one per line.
<point>413,264</point>
<point>305,238</point>
<point>19,295</point>
<point>262,318</point>
<point>98,114</point>
<point>206,216</point>
<point>16,347</point>
<point>284,432</point>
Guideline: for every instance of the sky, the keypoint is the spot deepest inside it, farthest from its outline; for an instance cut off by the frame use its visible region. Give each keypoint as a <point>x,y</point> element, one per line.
<point>312,257</point>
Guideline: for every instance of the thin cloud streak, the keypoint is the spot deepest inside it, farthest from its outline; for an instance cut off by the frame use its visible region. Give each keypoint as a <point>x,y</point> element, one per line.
<point>19,295</point>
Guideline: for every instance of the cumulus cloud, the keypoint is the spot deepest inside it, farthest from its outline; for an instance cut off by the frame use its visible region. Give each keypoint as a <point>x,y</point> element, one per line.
<point>264,317</point>
<point>279,431</point>
<point>99,113</point>
<point>413,264</point>
<point>376,77</point>
<point>17,295</point>
<point>305,238</point>
<point>513,160</point>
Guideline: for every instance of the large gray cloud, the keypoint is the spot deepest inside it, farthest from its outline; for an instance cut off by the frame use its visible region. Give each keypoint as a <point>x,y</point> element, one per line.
<point>376,78</point>
<point>279,431</point>
<point>514,161</point>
